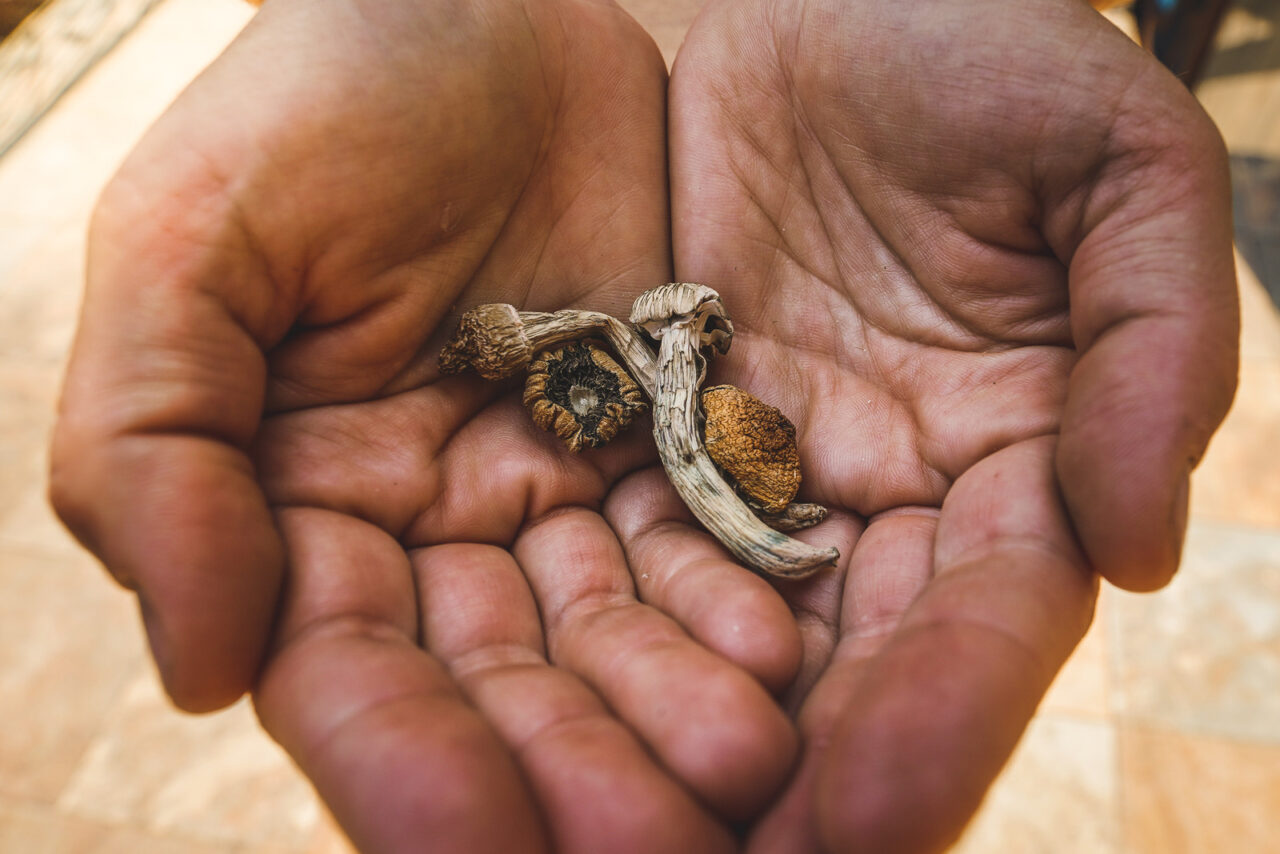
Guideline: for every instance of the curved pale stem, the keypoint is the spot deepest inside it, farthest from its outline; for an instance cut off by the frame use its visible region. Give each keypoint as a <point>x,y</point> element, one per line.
<point>547,329</point>
<point>712,500</point>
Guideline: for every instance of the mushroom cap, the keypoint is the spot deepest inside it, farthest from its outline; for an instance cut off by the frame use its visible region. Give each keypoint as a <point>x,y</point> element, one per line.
<point>658,307</point>
<point>754,443</point>
<point>491,339</point>
<point>580,393</point>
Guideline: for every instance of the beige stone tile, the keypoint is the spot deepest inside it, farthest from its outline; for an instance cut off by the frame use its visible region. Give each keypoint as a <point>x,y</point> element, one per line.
<point>55,172</point>
<point>28,397</point>
<point>41,299</point>
<point>1122,17</point>
<point>1081,688</point>
<point>329,838</point>
<point>1239,478</point>
<point>28,525</point>
<point>69,641</point>
<point>216,778</point>
<point>665,20</point>
<point>27,828</point>
<point>1204,653</point>
<point>1188,794</point>
<point>1259,318</point>
<point>1057,795</point>
<point>1244,98</point>
<point>26,414</point>
<point>17,237</point>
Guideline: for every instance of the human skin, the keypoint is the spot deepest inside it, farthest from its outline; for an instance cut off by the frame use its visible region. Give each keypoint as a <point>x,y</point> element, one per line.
<point>979,253</point>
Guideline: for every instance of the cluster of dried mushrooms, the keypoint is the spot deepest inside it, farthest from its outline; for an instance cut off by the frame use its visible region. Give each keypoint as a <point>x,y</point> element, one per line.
<point>731,457</point>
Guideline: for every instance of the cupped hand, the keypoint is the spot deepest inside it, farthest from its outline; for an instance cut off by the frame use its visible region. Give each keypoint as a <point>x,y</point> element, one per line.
<point>980,252</point>
<point>437,622</point>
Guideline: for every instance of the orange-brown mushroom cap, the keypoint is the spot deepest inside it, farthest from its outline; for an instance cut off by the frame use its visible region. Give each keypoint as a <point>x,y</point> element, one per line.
<point>582,394</point>
<point>754,443</point>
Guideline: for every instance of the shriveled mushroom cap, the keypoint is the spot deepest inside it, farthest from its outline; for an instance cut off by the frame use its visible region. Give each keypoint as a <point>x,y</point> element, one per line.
<point>582,395</point>
<point>754,443</point>
<point>490,339</point>
<point>659,307</point>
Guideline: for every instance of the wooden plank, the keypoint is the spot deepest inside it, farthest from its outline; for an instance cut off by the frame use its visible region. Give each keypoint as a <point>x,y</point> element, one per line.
<point>49,51</point>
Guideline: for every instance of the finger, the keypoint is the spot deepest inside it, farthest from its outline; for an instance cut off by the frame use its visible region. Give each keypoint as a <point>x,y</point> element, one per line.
<point>377,724</point>
<point>597,786</point>
<point>680,570</point>
<point>1155,318</point>
<point>890,565</point>
<point>162,395</point>
<point>929,723</point>
<point>708,721</point>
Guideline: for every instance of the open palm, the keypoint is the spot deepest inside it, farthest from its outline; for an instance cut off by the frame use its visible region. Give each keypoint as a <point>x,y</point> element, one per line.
<point>467,636</point>
<point>256,437</point>
<point>981,254</point>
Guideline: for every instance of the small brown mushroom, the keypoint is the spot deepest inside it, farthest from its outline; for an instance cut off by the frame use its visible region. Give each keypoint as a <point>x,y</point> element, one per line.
<point>754,443</point>
<point>582,395</point>
<point>498,340</point>
<point>689,320</point>
<point>689,323</point>
<point>491,339</point>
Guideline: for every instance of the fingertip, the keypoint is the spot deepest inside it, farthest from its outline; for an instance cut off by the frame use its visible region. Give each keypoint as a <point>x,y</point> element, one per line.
<point>194,686</point>
<point>763,638</point>
<point>1131,525</point>
<point>402,760</point>
<point>741,617</point>
<point>1145,568</point>
<point>737,759</point>
<point>181,521</point>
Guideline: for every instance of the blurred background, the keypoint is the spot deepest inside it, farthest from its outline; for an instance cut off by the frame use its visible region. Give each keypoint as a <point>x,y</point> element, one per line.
<point>1161,735</point>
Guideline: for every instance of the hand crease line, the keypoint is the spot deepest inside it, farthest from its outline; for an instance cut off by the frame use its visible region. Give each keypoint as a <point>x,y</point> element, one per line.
<point>586,607</point>
<point>380,706</point>
<point>346,626</point>
<point>553,513</point>
<point>978,557</point>
<point>966,623</point>
<point>556,726</point>
<point>847,290</point>
<point>489,659</point>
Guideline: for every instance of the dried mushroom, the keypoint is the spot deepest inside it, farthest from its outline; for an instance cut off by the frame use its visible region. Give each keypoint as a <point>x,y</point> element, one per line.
<point>582,395</point>
<point>754,443</point>
<point>490,339</point>
<point>497,340</point>
<point>686,320</point>
<point>652,311</point>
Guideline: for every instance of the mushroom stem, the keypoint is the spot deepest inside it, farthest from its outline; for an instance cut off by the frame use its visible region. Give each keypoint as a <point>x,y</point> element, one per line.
<point>712,500</point>
<point>796,516</point>
<point>547,329</point>
<point>497,340</point>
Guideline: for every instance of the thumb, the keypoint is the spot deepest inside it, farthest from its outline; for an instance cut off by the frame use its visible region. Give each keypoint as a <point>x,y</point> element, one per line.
<point>149,465</point>
<point>1155,319</point>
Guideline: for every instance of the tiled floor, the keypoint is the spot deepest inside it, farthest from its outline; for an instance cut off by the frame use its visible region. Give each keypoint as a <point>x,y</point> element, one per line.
<point>1162,734</point>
